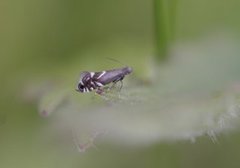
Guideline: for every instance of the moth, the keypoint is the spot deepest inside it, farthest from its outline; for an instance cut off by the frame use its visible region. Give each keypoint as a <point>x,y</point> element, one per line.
<point>90,81</point>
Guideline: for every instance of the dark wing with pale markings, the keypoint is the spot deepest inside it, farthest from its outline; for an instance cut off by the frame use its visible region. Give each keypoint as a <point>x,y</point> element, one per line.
<point>109,76</point>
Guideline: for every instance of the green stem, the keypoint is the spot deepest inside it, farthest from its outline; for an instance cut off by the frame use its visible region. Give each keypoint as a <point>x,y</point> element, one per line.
<point>165,16</point>
<point>173,17</point>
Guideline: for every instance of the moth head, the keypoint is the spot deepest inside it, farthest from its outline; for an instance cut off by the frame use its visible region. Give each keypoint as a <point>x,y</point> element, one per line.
<point>81,87</point>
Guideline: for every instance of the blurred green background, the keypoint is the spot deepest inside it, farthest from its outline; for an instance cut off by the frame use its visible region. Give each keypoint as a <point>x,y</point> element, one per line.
<point>56,39</point>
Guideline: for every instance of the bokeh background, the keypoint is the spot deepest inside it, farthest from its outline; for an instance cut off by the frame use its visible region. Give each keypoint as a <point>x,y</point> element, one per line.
<point>44,45</point>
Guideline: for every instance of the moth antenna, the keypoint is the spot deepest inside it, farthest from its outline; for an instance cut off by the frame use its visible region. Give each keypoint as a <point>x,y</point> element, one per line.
<point>114,60</point>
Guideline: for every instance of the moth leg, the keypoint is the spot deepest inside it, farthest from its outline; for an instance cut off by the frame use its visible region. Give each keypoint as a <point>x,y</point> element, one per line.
<point>99,91</point>
<point>113,85</point>
<point>121,85</point>
<point>116,81</point>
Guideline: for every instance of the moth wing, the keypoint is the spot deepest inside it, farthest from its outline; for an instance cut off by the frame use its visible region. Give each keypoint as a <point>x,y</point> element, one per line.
<point>106,77</point>
<point>97,78</point>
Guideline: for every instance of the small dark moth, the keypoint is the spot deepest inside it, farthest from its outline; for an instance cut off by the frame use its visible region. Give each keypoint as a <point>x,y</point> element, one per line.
<point>90,81</point>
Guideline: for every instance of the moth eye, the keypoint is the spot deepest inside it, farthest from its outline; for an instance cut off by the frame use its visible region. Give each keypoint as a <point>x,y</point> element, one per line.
<point>80,87</point>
